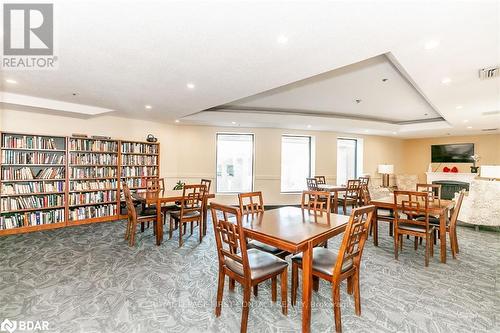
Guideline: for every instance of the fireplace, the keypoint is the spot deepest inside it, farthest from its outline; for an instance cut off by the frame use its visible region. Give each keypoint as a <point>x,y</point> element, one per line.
<point>450,187</point>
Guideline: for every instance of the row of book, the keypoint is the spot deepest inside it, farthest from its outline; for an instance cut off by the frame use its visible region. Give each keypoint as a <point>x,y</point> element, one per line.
<point>91,158</point>
<point>29,142</point>
<point>139,148</point>
<point>28,202</point>
<point>135,182</point>
<point>88,212</point>
<point>23,157</point>
<point>93,172</point>
<point>146,171</point>
<point>139,160</point>
<point>34,187</point>
<point>26,173</point>
<point>91,197</point>
<point>93,145</point>
<point>83,185</point>
<point>31,219</point>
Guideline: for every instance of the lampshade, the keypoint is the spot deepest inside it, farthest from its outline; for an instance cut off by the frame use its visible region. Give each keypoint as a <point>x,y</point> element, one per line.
<point>490,171</point>
<point>386,169</point>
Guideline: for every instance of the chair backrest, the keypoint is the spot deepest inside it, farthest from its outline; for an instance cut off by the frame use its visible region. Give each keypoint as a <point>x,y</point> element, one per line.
<point>152,184</point>
<point>456,209</point>
<point>433,190</point>
<point>354,239</point>
<point>316,201</point>
<point>312,184</point>
<point>207,183</point>
<point>365,195</point>
<point>320,179</point>
<point>411,204</point>
<point>364,180</point>
<point>251,203</point>
<point>353,188</point>
<point>229,236</point>
<point>192,198</point>
<point>162,184</point>
<point>131,213</point>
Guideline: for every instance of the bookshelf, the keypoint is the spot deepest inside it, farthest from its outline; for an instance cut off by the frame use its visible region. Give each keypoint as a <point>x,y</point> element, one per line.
<point>93,180</point>
<point>32,183</point>
<point>138,162</point>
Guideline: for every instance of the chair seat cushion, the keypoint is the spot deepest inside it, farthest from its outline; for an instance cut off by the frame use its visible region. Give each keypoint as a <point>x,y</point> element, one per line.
<point>412,227</point>
<point>187,215</point>
<point>432,219</point>
<point>151,210</point>
<point>253,244</point>
<point>261,264</point>
<point>324,260</point>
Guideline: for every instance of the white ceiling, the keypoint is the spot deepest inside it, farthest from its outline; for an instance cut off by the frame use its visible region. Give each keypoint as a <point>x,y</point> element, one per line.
<point>124,55</point>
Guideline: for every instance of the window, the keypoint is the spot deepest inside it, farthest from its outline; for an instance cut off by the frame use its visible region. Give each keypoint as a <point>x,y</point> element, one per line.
<point>295,162</point>
<point>347,160</point>
<point>234,163</point>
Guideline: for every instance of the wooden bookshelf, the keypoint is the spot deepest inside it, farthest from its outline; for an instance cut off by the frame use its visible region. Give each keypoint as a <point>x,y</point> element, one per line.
<point>87,188</point>
<point>93,183</point>
<point>33,182</point>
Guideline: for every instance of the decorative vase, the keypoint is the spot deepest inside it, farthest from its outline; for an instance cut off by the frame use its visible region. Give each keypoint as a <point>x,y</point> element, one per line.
<point>474,169</point>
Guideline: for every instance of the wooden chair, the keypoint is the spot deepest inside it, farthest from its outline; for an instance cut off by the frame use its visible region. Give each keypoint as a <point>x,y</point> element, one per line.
<point>413,205</point>
<point>364,180</point>
<point>134,218</point>
<point>320,179</point>
<point>252,203</point>
<point>433,190</point>
<point>191,210</point>
<point>312,184</point>
<point>207,183</point>
<point>335,268</point>
<point>386,215</point>
<point>351,195</point>
<point>248,267</point>
<point>317,201</point>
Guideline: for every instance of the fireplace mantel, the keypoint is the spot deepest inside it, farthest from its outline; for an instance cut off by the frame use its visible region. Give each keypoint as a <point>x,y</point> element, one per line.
<point>459,177</point>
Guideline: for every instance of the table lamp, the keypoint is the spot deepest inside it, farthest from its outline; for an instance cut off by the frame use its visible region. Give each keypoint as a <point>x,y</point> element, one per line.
<point>385,170</point>
<point>491,172</point>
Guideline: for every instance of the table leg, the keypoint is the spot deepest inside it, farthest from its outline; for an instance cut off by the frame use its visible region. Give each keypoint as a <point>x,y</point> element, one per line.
<point>204,222</point>
<point>375,228</point>
<point>336,202</point>
<point>159,223</point>
<point>306,288</point>
<point>442,234</point>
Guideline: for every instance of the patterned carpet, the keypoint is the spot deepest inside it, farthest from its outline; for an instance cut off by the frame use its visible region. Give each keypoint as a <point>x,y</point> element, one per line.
<point>86,279</point>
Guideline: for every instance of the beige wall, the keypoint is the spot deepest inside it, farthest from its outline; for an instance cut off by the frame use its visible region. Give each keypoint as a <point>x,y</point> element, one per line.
<point>188,152</point>
<point>417,153</point>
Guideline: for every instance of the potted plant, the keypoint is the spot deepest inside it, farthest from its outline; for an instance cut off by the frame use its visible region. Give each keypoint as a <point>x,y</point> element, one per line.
<point>475,158</point>
<point>179,185</point>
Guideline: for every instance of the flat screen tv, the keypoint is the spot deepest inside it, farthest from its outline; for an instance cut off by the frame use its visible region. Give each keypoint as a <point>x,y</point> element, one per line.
<point>454,153</point>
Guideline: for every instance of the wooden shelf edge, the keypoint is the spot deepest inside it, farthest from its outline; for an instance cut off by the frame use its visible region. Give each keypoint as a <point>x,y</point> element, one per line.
<point>94,220</point>
<point>32,228</point>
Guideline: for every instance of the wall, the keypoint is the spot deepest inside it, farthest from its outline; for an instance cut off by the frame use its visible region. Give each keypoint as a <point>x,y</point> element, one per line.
<point>188,152</point>
<point>417,153</point>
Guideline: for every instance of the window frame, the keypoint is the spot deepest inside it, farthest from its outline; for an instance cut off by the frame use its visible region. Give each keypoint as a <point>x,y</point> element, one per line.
<point>311,163</point>
<point>216,161</point>
<point>356,152</point>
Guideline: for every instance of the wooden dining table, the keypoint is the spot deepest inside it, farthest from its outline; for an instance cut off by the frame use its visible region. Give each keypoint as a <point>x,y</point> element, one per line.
<point>436,207</point>
<point>335,189</point>
<point>164,197</point>
<point>295,230</point>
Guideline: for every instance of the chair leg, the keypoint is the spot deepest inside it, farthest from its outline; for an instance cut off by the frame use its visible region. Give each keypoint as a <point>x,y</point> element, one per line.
<point>256,290</point>
<point>415,245</point>
<point>396,246</point>
<point>315,283</point>
<point>295,278</point>
<point>181,225</point>
<point>170,228</point>
<point>432,245</point>
<point>284,291</point>
<point>220,292</point>
<point>142,226</point>
<point>427,248</point>
<point>274,288</point>
<point>357,298</point>
<point>246,308</point>
<point>200,230</point>
<point>231,284</point>
<point>344,207</point>
<point>132,235</point>
<point>349,285</point>
<point>391,229</point>
<point>401,243</point>
<point>336,307</point>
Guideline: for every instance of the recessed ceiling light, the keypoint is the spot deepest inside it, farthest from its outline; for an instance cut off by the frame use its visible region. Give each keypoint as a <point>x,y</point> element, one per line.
<point>309,126</point>
<point>385,80</point>
<point>282,39</point>
<point>177,121</point>
<point>458,107</point>
<point>432,44</point>
<point>190,85</point>
<point>148,107</point>
<point>426,114</point>
<point>394,133</point>
<point>11,81</point>
<point>446,80</point>
<point>233,122</point>
<point>469,127</point>
<point>358,100</point>
<point>466,121</point>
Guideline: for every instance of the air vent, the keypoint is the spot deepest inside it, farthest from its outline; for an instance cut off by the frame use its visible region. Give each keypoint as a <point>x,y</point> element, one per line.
<point>491,113</point>
<point>489,73</point>
<point>489,129</point>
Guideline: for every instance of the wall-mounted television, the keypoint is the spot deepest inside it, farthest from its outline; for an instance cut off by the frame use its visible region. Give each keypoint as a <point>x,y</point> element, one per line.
<point>453,153</point>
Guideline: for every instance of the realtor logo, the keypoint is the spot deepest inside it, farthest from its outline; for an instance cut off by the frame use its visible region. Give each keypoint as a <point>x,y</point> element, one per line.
<point>28,36</point>
<point>12,326</point>
<point>8,326</point>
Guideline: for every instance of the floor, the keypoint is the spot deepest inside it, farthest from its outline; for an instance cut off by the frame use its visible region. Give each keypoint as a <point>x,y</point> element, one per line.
<point>86,279</point>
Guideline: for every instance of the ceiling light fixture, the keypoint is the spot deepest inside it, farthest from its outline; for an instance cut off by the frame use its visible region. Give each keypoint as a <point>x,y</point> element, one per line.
<point>458,107</point>
<point>469,127</point>
<point>446,80</point>
<point>358,101</point>
<point>432,44</point>
<point>148,107</point>
<point>394,133</point>
<point>309,126</point>
<point>11,81</point>
<point>385,80</point>
<point>177,121</point>
<point>190,85</point>
<point>282,39</point>
<point>233,122</point>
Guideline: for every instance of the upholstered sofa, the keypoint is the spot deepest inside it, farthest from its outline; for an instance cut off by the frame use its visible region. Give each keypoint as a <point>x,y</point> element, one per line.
<point>406,182</point>
<point>482,204</point>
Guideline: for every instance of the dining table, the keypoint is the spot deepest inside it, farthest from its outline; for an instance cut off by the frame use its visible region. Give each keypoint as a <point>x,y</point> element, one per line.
<point>163,197</point>
<point>334,189</point>
<point>437,207</point>
<point>295,230</point>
